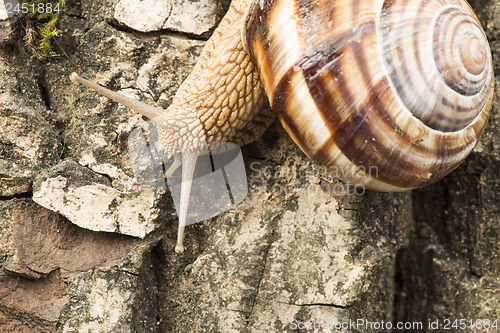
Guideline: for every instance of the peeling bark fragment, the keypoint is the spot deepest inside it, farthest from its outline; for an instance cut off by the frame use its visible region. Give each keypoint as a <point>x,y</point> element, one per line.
<point>88,200</point>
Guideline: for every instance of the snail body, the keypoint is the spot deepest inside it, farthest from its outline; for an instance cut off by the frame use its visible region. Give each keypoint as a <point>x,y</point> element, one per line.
<point>364,87</point>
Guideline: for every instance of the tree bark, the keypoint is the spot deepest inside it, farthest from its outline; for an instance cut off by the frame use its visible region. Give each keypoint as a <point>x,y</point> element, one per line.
<point>82,250</point>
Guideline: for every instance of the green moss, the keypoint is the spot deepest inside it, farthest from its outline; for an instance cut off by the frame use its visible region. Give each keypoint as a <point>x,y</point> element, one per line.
<point>42,17</point>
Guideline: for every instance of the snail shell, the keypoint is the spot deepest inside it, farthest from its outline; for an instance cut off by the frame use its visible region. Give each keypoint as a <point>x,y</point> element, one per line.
<point>391,95</point>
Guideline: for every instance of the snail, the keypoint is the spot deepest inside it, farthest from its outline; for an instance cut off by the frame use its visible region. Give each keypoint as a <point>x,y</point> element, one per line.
<point>403,87</point>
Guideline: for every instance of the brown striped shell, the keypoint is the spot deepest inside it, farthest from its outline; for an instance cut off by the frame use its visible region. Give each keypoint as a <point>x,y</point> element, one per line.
<point>388,94</point>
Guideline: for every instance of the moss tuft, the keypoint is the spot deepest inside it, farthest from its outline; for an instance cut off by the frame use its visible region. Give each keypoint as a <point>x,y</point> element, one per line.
<point>42,17</point>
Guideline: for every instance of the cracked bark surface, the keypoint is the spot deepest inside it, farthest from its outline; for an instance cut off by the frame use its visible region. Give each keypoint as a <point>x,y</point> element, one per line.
<point>300,249</point>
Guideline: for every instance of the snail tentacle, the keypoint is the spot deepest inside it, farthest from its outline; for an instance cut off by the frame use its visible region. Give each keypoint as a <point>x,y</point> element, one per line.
<point>188,165</point>
<point>390,95</point>
<point>220,101</point>
<point>145,109</point>
<point>174,166</point>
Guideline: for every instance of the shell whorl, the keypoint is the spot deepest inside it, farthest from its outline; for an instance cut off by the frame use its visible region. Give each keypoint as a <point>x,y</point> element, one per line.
<point>389,94</point>
<point>444,50</point>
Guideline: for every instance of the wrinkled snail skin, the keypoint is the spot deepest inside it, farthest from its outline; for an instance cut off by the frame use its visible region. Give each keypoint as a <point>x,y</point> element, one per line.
<point>369,89</point>
<point>391,95</point>
<point>224,86</point>
<point>222,100</point>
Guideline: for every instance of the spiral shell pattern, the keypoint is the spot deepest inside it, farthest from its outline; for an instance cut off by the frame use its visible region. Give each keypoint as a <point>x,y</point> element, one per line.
<point>388,94</point>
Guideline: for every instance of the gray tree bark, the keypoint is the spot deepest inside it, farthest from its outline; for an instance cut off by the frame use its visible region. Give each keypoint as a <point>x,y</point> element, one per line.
<point>83,251</point>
